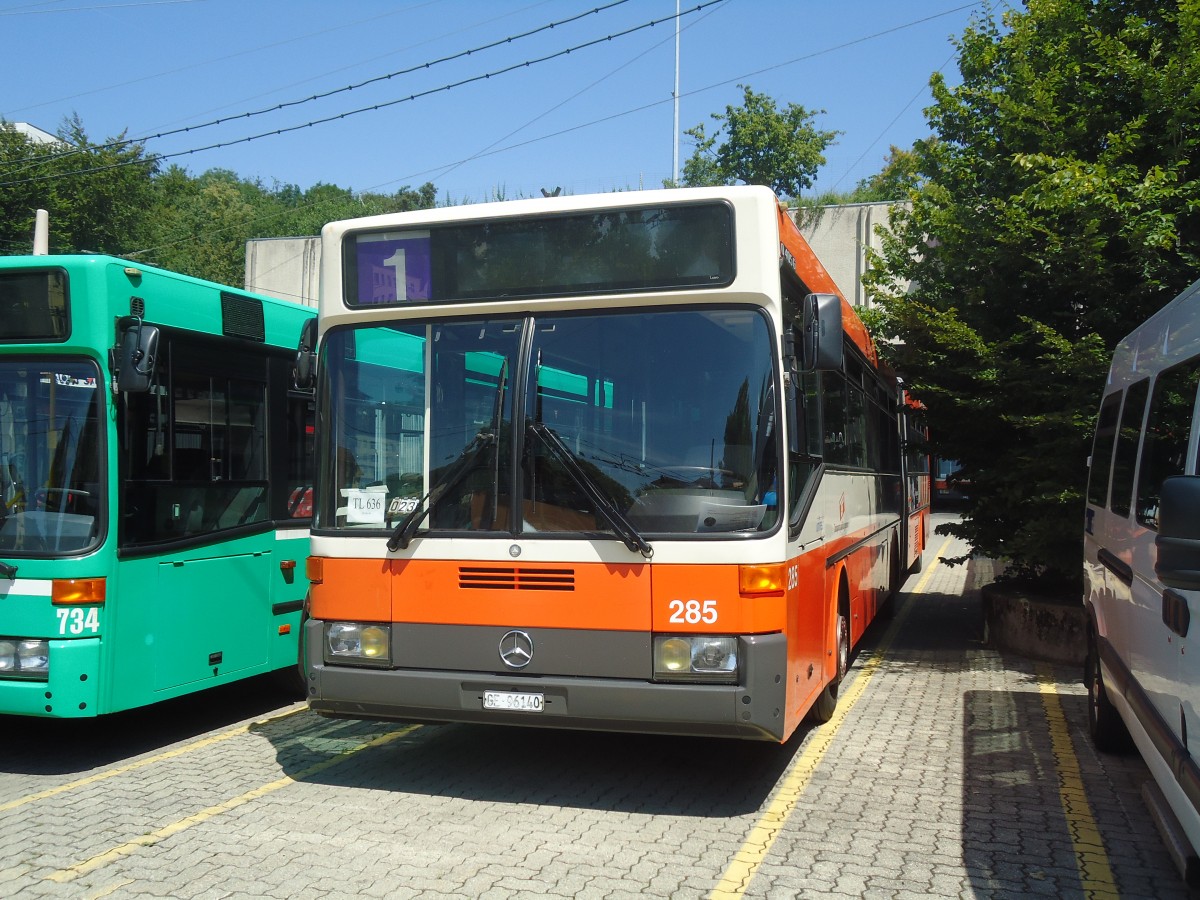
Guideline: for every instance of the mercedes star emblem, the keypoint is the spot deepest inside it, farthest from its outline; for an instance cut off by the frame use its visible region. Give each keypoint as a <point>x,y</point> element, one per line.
<point>516,649</point>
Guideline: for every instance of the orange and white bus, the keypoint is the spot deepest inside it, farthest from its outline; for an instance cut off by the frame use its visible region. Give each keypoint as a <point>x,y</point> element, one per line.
<point>620,462</point>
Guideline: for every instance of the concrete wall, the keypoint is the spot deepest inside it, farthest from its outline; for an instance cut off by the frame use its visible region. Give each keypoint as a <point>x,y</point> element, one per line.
<point>841,236</point>
<point>288,268</point>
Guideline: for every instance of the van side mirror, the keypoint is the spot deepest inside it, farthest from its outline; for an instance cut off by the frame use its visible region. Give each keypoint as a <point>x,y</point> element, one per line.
<point>137,354</point>
<point>304,372</point>
<point>1178,540</point>
<point>821,343</point>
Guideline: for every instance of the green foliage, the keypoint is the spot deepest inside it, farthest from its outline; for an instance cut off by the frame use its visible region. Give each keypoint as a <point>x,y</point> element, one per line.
<point>108,198</point>
<point>102,211</point>
<point>899,176</point>
<point>202,224</point>
<point>762,145</point>
<point>1055,209</point>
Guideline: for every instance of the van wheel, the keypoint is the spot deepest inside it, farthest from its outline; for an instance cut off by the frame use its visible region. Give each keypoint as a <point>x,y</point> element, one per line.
<point>823,709</point>
<point>1104,722</point>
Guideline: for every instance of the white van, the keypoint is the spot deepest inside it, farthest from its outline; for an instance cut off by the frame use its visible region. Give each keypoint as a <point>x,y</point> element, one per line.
<point>1142,565</point>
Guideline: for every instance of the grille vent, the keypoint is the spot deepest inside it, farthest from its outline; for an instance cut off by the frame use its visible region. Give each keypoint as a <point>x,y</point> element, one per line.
<point>504,578</point>
<point>242,317</point>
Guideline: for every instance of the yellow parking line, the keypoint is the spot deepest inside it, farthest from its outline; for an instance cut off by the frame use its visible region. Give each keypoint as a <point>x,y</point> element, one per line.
<point>1095,873</point>
<point>142,763</point>
<point>146,840</point>
<point>747,860</point>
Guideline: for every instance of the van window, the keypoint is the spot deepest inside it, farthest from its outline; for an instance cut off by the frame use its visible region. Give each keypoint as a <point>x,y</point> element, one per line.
<point>1102,448</point>
<point>1164,450</point>
<point>1127,444</point>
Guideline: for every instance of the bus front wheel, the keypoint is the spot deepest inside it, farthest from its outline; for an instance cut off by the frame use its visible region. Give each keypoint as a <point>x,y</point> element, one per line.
<point>826,703</point>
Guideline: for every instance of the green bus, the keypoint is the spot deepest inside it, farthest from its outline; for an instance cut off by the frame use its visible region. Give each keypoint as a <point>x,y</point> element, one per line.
<point>155,485</point>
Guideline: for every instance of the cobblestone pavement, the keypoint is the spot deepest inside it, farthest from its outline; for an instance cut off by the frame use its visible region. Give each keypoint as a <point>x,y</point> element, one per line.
<point>950,770</point>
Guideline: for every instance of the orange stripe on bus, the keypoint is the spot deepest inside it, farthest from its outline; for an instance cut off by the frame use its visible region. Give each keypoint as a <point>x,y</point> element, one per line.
<point>545,595</point>
<point>354,589</point>
<point>682,598</point>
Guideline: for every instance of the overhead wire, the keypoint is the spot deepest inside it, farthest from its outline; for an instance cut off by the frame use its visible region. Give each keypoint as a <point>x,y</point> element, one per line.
<point>228,56</point>
<point>155,158</point>
<point>287,104</point>
<point>430,39</point>
<point>444,168</point>
<point>886,128</point>
<point>455,165</point>
<point>695,91</point>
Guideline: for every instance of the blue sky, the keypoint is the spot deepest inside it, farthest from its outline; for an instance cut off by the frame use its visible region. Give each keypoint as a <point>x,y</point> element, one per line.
<point>596,119</point>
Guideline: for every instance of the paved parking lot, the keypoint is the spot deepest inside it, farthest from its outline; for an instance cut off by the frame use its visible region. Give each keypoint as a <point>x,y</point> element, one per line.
<point>950,770</point>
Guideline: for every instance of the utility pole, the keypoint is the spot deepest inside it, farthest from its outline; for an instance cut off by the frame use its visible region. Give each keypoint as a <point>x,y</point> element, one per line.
<point>675,130</point>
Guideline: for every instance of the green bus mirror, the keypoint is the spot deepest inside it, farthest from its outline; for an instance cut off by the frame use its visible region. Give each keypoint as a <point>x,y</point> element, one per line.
<point>137,354</point>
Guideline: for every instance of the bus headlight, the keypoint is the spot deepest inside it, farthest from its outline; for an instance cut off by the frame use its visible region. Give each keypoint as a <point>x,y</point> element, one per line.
<point>700,657</point>
<point>24,659</point>
<point>357,643</point>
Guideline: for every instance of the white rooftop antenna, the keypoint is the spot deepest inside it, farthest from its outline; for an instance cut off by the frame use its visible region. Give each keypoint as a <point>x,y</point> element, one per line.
<point>41,233</point>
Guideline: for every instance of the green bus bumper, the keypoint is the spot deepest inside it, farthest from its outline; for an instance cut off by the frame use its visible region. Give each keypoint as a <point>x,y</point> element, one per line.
<point>70,692</point>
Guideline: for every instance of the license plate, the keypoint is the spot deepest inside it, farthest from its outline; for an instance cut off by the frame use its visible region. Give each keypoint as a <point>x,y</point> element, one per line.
<point>534,703</point>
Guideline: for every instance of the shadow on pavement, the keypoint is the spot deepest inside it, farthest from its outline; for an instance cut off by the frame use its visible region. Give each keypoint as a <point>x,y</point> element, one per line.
<point>37,746</point>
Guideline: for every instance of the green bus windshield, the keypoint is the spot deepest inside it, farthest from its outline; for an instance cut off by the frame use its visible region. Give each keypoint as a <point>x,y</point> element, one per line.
<point>51,469</point>
<point>33,306</point>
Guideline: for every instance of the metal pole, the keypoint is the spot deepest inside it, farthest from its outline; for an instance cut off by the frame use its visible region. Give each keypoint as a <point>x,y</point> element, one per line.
<point>675,132</point>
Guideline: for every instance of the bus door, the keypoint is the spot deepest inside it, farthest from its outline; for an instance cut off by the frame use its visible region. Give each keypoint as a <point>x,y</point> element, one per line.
<point>197,551</point>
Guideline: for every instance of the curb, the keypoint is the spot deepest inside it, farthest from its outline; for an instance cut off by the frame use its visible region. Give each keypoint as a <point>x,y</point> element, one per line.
<point>1041,628</point>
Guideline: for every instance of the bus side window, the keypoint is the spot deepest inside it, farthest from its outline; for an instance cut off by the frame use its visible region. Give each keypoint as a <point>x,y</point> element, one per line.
<point>1127,445</point>
<point>1102,449</point>
<point>1168,426</point>
<point>834,404</point>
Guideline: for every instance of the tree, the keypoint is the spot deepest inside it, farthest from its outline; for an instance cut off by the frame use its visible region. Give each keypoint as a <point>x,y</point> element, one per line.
<point>96,194</point>
<point>1060,206</point>
<point>899,175</point>
<point>762,145</point>
<point>201,225</point>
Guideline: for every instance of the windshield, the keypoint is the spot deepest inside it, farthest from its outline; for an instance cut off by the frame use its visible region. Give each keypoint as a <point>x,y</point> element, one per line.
<point>667,416</point>
<point>50,455</point>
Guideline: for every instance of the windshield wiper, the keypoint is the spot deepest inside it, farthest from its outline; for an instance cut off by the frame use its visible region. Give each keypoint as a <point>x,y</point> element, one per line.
<point>459,470</point>
<point>621,525</point>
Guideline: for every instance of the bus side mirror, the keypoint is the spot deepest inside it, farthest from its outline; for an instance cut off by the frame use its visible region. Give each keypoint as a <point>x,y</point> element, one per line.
<point>137,354</point>
<point>1178,540</point>
<point>821,346</point>
<point>305,370</point>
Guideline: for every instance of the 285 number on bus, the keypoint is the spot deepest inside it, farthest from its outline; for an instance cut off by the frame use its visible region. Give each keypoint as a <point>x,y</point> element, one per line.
<point>692,612</point>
